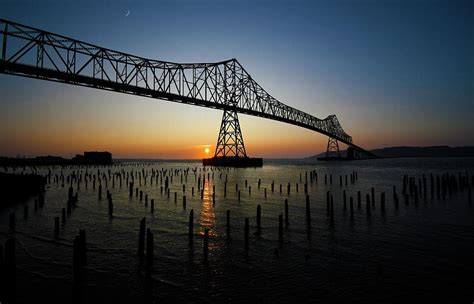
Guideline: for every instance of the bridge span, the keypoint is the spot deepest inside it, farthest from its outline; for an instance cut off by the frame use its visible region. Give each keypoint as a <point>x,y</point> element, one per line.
<point>226,85</point>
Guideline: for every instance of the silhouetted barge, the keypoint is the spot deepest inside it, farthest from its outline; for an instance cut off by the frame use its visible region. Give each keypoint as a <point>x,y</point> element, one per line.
<point>240,162</point>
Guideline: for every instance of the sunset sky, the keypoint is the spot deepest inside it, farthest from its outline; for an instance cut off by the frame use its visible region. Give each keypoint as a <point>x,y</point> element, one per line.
<point>394,72</point>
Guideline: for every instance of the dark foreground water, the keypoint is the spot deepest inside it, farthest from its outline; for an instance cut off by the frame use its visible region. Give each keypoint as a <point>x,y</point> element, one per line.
<point>418,251</point>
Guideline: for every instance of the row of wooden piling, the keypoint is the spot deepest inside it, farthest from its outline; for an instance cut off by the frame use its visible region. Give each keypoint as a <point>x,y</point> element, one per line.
<point>440,185</point>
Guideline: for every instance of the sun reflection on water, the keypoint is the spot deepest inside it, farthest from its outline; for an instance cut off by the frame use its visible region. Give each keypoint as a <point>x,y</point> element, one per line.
<point>207,218</point>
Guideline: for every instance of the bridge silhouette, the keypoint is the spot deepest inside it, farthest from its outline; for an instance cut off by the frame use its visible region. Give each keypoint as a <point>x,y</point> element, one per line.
<point>225,85</point>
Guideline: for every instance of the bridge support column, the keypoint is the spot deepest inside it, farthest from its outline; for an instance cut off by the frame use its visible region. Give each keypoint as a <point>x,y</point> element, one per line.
<point>332,150</point>
<point>230,142</point>
<point>230,148</point>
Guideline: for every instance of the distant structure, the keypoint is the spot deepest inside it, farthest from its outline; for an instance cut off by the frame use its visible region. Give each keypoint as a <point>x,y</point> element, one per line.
<point>93,158</point>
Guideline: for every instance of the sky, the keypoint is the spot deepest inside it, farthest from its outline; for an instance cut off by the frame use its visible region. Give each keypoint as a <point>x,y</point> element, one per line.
<point>394,72</point>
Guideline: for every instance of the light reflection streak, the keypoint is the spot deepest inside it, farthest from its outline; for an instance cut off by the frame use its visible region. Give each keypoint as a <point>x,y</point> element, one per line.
<point>207,218</point>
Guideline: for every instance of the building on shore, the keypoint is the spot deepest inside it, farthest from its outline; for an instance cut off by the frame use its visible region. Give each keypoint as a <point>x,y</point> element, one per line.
<point>93,158</point>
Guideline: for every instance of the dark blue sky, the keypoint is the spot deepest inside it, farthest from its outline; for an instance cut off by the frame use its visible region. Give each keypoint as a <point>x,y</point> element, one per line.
<point>395,72</point>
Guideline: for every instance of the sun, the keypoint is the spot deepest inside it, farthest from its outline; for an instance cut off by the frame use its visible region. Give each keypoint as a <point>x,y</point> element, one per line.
<point>207,150</point>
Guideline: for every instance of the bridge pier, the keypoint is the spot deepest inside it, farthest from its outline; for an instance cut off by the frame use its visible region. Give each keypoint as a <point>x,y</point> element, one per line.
<point>332,150</point>
<point>353,153</point>
<point>230,148</point>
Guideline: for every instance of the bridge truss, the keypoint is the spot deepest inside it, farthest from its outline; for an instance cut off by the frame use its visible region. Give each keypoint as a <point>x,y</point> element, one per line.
<point>226,85</point>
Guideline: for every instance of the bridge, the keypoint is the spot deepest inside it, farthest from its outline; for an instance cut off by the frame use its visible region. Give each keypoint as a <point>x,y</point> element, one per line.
<point>226,85</point>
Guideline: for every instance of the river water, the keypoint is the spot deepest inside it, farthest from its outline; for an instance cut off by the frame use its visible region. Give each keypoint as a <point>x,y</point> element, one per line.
<point>416,251</point>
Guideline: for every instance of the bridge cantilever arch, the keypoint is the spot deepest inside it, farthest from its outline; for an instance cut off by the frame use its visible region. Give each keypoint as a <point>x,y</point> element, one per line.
<point>225,85</point>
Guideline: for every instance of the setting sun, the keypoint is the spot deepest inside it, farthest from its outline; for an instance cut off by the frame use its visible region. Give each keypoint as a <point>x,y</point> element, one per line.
<point>207,150</point>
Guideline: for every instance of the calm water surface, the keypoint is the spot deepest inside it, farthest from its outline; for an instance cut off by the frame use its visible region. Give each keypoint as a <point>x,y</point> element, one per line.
<point>422,251</point>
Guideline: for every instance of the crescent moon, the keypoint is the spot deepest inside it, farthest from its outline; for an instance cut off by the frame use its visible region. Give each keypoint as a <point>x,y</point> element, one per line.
<point>127,13</point>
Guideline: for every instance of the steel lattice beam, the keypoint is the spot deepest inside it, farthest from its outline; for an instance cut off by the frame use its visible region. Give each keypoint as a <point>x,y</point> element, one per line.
<point>226,85</point>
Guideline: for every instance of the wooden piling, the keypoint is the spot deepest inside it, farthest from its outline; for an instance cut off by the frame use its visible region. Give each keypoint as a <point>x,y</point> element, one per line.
<point>191,226</point>
<point>246,242</point>
<point>111,207</point>
<point>287,219</point>
<point>141,238</point>
<point>56,225</point>
<point>280,227</point>
<point>308,212</point>
<point>228,224</point>
<point>70,193</point>
<point>259,219</point>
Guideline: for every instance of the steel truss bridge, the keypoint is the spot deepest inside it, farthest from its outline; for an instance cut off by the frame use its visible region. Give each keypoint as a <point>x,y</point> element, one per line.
<point>225,85</point>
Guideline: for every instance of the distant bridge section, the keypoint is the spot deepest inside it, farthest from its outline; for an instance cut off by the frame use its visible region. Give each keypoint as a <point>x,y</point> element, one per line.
<point>226,85</point>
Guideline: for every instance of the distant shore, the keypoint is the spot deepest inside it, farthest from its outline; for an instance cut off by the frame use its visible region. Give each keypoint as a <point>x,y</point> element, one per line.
<point>417,152</point>
<point>389,152</point>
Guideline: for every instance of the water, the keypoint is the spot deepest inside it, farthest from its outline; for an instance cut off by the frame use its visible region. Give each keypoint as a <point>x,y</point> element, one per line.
<point>422,252</point>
